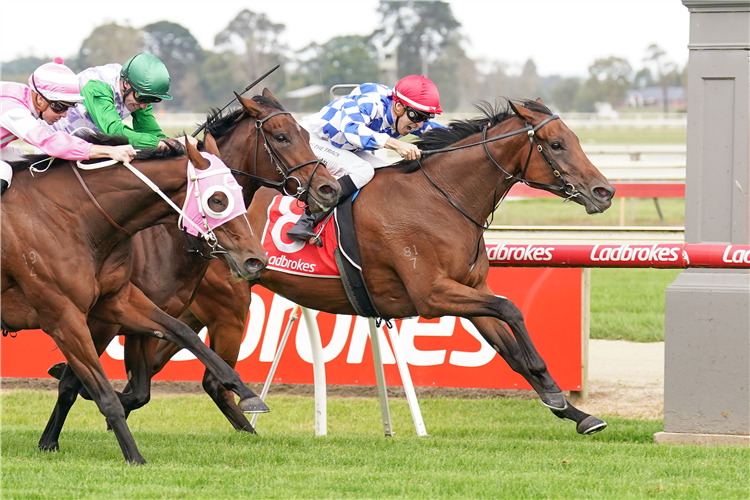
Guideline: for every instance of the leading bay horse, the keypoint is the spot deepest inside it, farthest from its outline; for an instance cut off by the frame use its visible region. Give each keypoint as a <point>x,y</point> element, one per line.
<point>437,205</point>
<point>265,146</point>
<point>66,257</point>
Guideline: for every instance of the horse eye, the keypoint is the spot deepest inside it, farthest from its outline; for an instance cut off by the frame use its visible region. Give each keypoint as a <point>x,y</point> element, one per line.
<point>216,201</point>
<point>281,138</point>
<point>556,145</point>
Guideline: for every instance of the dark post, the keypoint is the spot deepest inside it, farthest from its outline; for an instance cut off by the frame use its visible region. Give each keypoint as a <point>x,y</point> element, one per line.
<point>707,329</point>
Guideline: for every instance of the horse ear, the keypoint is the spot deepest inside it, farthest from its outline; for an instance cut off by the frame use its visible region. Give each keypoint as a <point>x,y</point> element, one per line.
<point>267,93</point>
<point>210,144</point>
<point>196,158</point>
<point>521,112</point>
<point>250,106</point>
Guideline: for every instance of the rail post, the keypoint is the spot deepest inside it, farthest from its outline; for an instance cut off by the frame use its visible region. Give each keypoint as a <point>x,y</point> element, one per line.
<point>707,314</point>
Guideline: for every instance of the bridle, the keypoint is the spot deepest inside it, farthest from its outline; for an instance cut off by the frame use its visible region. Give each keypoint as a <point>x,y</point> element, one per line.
<point>302,193</point>
<point>205,233</point>
<point>567,188</point>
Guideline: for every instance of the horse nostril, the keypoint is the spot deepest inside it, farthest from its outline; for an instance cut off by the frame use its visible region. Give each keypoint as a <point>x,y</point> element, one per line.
<point>254,265</point>
<point>604,193</point>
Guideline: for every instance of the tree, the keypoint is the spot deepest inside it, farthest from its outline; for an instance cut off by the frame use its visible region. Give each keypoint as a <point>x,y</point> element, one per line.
<point>665,71</point>
<point>419,30</point>
<point>182,54</point>
<point>109,43</point>
<point>563,93</point>
<point>219,78</point>
<point>256,41</point>
<point>609,81</point>
<point>18,70</point>
<point>343,59</point>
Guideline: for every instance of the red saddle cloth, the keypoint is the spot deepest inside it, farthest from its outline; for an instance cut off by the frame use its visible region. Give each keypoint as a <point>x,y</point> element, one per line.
<point>296,257</point>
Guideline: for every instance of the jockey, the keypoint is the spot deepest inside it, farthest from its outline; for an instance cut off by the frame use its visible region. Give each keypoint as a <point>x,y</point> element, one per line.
<point>53,89</point>
<point>372,116</point>
<point>113,92</point>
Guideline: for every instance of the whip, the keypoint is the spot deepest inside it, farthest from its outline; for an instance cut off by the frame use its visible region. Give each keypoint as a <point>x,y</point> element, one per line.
<point>246,89</point>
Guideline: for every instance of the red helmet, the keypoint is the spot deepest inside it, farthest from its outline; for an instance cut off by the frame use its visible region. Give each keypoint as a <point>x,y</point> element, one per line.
<point>418,92</point>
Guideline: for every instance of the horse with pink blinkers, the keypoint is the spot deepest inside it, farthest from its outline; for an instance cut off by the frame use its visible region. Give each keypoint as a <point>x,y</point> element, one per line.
<point>264,145</point>
<point>66,258</point>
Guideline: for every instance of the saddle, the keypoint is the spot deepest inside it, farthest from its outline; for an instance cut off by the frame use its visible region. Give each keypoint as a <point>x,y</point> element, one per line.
<point>349,262</point>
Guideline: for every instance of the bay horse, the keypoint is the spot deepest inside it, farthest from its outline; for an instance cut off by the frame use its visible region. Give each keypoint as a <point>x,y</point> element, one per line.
<point>66,241</point>
<point>438,204</point>
<point>169,276</point>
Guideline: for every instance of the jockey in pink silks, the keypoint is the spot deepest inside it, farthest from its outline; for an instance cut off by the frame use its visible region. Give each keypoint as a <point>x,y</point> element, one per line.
<point>53,89</point>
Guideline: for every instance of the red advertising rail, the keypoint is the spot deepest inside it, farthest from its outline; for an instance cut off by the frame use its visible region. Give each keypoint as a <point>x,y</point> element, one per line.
<point>661,255</point>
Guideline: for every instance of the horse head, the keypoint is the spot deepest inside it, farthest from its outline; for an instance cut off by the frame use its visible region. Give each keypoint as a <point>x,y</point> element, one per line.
<point>285,160</point>
<point>223,209</point>
<point>559,165</point>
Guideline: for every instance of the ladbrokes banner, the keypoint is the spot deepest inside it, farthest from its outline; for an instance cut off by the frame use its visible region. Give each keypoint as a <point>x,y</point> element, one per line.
<point>445,352</point>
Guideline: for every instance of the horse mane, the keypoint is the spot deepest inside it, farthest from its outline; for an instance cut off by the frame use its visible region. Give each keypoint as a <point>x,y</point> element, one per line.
<point>219,124</point>
<point>457,130</point>
<point>173,149</point>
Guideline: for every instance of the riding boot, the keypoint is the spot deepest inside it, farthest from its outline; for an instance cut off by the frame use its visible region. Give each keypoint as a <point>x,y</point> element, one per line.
<point>304,228</point>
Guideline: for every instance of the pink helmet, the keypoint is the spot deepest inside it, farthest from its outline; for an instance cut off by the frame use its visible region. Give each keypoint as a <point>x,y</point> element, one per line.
<point>418,92</point>
<point>56,82</point>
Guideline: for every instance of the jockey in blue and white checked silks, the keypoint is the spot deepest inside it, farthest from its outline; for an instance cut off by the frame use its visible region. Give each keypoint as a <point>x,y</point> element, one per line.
<point>345,132</point>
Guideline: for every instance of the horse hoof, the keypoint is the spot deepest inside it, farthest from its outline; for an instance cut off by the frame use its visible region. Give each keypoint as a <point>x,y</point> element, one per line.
<point>591,425</point>
<point>56,370</point>
<point>253,405</point>
<point>49,446</point>
<point>554,400</point>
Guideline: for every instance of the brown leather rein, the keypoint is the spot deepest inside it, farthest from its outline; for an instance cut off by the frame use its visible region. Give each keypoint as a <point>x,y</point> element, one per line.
<point>96,203</point>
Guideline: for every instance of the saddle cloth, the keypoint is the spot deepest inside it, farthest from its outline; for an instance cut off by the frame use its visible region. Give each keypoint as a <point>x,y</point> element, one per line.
<point>338,258</point>
<point>296,257</point>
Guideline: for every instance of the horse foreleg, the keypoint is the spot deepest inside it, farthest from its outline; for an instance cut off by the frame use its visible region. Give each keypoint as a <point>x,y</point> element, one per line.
<point>503,341</point>
<point>102,334</point>
<point>509,339</point>
<point>74,340</point>
<point>133,310</point>
<point>67,392</point>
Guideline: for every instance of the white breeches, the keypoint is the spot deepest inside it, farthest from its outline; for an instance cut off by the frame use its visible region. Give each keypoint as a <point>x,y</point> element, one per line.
<point>358,165</point>
<point>9,153</point>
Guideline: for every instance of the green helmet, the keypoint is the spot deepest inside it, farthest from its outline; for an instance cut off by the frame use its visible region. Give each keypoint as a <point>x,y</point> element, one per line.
<point>147,75</point>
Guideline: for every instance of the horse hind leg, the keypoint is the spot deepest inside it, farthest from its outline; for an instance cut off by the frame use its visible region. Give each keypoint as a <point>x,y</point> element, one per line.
<point>74,340</point>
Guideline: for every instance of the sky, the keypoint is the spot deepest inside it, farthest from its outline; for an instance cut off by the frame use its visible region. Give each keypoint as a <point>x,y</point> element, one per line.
<point>561,36</point>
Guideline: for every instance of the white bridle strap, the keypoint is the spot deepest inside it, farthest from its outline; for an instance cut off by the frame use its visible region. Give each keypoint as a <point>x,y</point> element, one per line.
<point>106,163</point>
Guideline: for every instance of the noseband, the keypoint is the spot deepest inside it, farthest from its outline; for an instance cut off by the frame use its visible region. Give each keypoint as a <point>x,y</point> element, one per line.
<point>284,171</point>
<point>567,188</point>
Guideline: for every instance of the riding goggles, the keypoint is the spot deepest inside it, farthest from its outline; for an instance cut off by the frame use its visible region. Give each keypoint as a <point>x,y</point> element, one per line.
<point>418,116</point>
<point>60,107</point>
<point>145,98</point>
<point>141,96</point>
